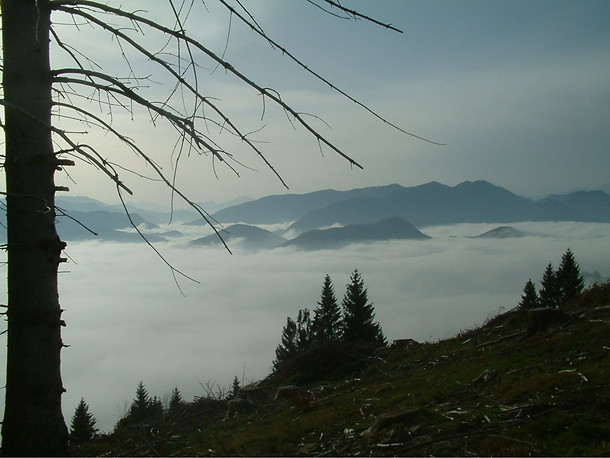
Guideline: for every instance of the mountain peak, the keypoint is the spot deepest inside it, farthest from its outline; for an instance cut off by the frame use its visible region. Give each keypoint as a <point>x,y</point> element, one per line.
<point>478,184</point>
<point>393,228</point>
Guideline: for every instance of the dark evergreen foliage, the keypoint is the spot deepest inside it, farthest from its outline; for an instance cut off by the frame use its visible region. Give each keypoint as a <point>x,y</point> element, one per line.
<point>234,388</point>
<point>82,427</point>
<point>326,324</point>
<point>550,295</point>
<point>139,406</point>
<point>143,406</point>
<point>297,337</point>
<point>569,279</point>
<point>529,299</point>
<point>287,349</point>
<point>155,408</point>
<point>358,314</point>
<point>563,285</point>
<point>175,401</point>
<point>304,331</point>
<point>355,324</point>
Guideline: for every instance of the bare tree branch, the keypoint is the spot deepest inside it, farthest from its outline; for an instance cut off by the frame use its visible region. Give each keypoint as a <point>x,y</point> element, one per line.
<point>353,13</point>
<point>170,184</point>
<point>75,8</point>
<point>80,223</point>
<point>123,93</point>
<point>257,29</point>
<point>173,270</point>
<point>181,80</point>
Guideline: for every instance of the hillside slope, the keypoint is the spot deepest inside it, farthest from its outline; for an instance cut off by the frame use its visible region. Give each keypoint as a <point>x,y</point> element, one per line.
<point>514,386</point>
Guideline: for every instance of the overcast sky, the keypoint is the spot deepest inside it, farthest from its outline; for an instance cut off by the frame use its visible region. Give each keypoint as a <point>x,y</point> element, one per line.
<point>518,91</point>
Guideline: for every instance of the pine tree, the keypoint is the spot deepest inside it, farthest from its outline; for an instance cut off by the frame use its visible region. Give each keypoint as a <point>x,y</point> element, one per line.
<point>82,427</point>
<point>234,388</point>
<point>155,408</point>
<point>287,349</point>
<point>304,331</point>
<point>327,316</point>
<point>569,279</point>
<point>358,314</point>
<point>297,337</point>
<point>529,299</point>
<point>175,401</point>
<point>549,292</point>
<point>140,406</point>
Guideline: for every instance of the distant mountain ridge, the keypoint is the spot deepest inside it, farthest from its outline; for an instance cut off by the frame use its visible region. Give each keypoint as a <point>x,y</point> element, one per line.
<point>255,237</point>
<point>389,229</point>
<point>83,218</point>
<point>502,232</point>
<point>332,238</point>
<point>107,225</point>
<point>290,207</point>
<point>589,203</point>
<point>424,205</point>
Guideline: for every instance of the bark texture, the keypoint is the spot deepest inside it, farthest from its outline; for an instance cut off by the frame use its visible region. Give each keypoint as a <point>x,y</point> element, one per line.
<point>33,422</point>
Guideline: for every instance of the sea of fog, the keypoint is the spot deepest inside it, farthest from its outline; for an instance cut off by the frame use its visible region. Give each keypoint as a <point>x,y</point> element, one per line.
<point>128,321</point>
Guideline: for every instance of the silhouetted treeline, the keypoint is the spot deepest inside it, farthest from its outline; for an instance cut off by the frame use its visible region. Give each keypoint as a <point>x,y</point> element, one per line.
<point>352,322</point>
<point>557,286</point>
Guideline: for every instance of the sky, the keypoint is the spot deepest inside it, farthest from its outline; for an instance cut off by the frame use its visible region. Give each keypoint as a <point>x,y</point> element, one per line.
<point>518,93</point>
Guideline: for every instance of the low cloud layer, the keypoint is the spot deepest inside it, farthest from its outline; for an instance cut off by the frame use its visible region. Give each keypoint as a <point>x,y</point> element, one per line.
<point>127,320</point>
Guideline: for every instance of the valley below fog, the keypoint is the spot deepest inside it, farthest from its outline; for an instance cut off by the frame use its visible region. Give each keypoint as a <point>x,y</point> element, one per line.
<point>129,321</point>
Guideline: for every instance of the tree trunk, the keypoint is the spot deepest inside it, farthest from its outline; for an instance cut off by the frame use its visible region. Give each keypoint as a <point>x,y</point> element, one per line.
<point>33,422</point>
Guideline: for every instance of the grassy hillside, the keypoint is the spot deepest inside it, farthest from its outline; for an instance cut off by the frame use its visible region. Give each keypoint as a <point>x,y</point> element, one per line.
<point>514,386</point>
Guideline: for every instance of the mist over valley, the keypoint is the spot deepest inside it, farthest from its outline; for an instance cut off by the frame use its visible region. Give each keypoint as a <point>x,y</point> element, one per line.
<point>128,320</point>
<point>376,213</point>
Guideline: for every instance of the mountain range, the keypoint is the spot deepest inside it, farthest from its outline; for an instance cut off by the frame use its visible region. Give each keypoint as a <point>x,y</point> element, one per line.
<point>425,205</point>
<point>331,218</point>
<point>332,238</point>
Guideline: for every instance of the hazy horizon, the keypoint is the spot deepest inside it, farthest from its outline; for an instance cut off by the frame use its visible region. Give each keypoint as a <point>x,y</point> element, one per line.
<point>127,321</point>
<point>216,205</point>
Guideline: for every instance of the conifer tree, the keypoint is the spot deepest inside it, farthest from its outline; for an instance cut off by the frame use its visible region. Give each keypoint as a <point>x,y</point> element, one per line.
<point>297,337</point>
<point>155,407</point>
<point>569,279</point>
<point>358,314</point>
<point>549,292</point>
<point>234,388</point>
<point>82,427</point>
<point>304,331</point>
<point>326,324</point>
<point>529,299</point>
<point>287,349</point>
<point>141,404</point>
<point>175,401</point>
